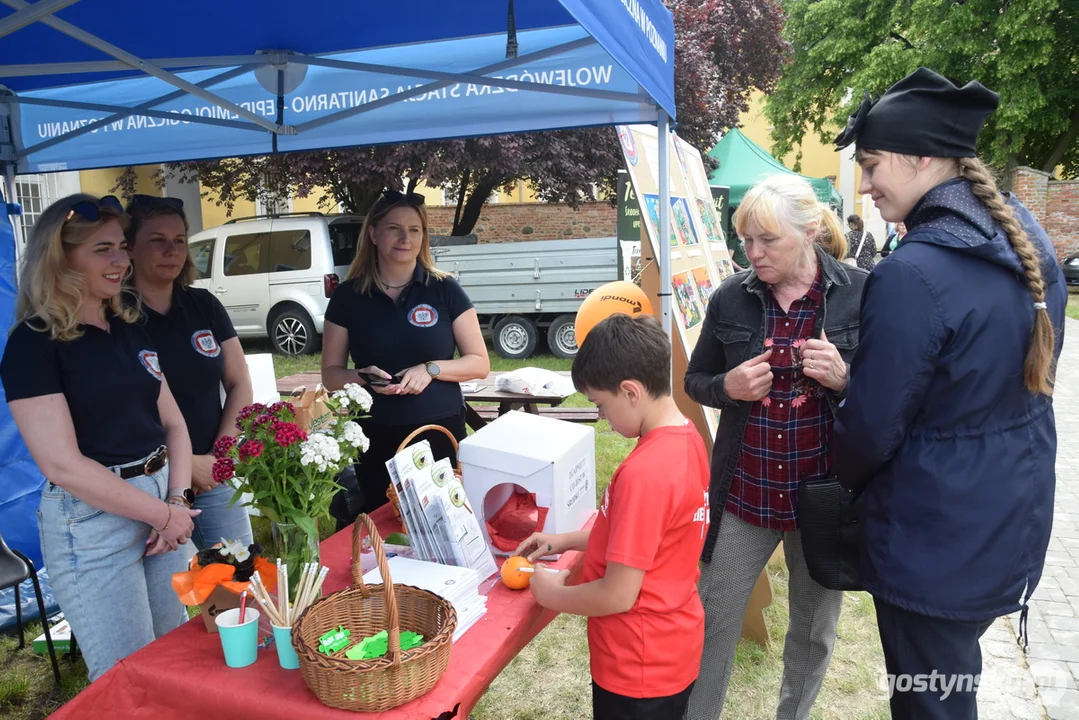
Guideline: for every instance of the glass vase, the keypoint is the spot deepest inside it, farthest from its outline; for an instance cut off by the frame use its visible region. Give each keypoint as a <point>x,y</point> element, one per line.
<point>294,547</point>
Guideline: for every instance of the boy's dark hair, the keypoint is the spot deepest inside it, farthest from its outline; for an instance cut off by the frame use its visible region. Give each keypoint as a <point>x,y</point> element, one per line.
<point>623,348</point>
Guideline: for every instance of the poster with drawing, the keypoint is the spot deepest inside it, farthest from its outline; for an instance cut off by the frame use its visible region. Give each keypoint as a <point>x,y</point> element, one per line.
<point>702,278</point>
<point>690,307</point>
<point>699,257</point>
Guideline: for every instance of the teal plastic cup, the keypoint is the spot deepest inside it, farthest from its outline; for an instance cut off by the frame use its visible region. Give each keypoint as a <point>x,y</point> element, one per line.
<point>286,654</point>
<point>240,642</point>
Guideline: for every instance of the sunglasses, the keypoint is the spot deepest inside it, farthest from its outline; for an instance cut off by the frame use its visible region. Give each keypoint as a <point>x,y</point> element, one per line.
<point>394,196</point>
<point>154,202</point>
<point>91,211</point>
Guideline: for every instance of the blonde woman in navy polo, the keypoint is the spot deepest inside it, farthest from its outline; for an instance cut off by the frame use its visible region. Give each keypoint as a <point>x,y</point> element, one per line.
<point>402,321</point>
<point>87,393</point>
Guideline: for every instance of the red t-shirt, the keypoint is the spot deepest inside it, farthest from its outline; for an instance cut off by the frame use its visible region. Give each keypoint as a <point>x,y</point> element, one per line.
<point>654,518</point>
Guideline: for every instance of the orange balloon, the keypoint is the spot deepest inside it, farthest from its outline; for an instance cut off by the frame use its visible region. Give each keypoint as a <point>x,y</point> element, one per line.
<point>606,300</point>
<point>512,575</point>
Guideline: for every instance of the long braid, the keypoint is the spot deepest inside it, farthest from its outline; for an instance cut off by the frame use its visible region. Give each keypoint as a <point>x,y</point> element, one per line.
<point>1038,368</point>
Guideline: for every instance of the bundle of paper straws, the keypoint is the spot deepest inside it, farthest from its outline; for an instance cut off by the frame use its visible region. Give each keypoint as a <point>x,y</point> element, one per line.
<point>282,613</point>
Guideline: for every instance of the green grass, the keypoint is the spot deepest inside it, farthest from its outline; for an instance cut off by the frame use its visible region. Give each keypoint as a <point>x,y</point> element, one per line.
<point>1073,306</point>
<point>550,680</point>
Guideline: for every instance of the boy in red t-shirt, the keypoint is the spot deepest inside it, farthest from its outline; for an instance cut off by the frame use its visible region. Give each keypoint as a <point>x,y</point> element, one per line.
<point>639,590</point>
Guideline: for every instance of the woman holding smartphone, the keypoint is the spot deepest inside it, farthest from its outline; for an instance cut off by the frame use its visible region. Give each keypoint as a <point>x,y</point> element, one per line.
<point>403,321</point>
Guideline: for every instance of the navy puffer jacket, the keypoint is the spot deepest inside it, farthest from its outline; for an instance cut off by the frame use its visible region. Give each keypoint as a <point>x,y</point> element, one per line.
<point>955,455</point>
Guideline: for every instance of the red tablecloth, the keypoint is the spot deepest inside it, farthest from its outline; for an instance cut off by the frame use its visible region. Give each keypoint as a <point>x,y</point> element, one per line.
<point>183,674</point>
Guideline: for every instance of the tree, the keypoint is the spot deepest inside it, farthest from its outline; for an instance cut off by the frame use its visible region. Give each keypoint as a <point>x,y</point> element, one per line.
<point>723,51</point>
<point>1027,51</point>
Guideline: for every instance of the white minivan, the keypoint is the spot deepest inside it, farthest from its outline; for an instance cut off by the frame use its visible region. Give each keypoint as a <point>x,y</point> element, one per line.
<point>275,273</point>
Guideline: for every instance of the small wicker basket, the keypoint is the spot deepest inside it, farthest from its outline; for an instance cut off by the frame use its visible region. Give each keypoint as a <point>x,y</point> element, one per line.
<point>382,683</point>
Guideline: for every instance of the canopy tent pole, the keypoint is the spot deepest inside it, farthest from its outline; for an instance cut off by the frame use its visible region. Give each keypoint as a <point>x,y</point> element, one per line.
<point>31,14</point>
<point>665,220</point>
<point>140,64</point>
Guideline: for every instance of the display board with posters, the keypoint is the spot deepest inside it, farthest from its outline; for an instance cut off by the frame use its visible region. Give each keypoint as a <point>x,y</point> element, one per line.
<point>699,257</point>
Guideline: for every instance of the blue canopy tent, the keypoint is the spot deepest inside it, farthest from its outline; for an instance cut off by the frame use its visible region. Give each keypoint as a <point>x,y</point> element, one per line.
<point>106,83</point>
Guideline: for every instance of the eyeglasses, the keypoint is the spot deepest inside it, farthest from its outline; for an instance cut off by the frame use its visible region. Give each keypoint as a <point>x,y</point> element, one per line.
<point>91,211</point>
<point>395,196</point>
<point>154,202</point>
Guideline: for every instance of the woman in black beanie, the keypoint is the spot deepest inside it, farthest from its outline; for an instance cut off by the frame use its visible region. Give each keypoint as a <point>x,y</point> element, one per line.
<point>955,454</point>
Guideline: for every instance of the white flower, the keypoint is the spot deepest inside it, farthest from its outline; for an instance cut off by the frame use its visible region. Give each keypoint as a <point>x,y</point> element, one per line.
<point>354,436</point>
<point>358,395</point>
<point>241,554</point>
<point>235,548</point>
<point>320,450</point>
<point>343,399</point>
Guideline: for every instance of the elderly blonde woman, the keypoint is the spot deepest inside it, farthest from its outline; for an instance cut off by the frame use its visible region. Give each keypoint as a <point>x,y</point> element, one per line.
<point>773,355</point>
<point>86,391</point>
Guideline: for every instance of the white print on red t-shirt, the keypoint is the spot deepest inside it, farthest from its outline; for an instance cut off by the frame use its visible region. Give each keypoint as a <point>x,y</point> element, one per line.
<point>606,501</point>
<point>423,316</point>
<point>148,358</point>
<point>703,515</point>
<point>205,343</point>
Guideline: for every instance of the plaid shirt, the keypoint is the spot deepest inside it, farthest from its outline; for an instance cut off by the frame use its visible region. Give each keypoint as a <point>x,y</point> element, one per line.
<point>789,431</point>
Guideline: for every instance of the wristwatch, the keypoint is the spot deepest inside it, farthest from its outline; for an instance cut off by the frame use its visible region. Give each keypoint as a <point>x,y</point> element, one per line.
<point>185,496</point>
<point>432,369</point>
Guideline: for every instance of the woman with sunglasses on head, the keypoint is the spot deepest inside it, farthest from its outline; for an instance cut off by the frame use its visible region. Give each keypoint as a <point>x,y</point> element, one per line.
<point>402,321</point>
<point>955,454</point>
<point>85,389</point>
<point>199,354</point>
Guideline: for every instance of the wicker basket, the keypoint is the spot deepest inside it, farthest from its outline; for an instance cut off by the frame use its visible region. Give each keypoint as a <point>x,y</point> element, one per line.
<point>391,492</point>
<point>398,677</point>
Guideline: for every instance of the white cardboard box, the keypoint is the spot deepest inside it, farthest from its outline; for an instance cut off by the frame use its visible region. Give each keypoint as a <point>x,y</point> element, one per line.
<point>554,459</point>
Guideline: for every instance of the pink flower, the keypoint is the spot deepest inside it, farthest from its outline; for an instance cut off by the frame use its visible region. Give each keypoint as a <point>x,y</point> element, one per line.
<point>223,470</point>
<point>263,420</point>
<point>766,401</point>
<point>250,449</point>
<point>223,445</point>
<point>287,433</point>
<point>799,401</point>
<point>253,409</point>
<point>799,343</point>
<point>768,342</point>
<point>279,406</point>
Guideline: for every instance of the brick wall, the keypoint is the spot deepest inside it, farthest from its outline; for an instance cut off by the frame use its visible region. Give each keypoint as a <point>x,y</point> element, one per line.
<point>1055,204</point>
<point>514,222</point>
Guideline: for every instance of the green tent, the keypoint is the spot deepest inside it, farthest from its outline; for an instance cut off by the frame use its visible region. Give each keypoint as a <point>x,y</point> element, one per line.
<point>743,162</point>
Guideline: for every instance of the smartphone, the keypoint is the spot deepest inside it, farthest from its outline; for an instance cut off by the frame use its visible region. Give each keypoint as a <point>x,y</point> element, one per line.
<point>377,380</point>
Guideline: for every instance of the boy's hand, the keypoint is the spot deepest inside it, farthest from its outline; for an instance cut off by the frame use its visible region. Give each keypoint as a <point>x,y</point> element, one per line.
<point>537,545</point>
<point>545,584</point>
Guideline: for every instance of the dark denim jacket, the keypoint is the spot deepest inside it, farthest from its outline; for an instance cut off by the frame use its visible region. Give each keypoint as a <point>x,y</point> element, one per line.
<point>733,332</point>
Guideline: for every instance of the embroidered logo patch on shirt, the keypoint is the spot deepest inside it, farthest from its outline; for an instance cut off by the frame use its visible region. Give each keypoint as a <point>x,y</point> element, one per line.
<point>423,316</point>
<point>205,343</point>
<point>148,358</point>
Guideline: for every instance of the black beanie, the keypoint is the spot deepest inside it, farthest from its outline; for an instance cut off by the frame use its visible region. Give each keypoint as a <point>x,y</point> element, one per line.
<point>923,114</point>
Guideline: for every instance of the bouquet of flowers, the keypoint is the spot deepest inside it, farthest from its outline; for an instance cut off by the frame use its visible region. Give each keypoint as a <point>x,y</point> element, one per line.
<point>290,474</point>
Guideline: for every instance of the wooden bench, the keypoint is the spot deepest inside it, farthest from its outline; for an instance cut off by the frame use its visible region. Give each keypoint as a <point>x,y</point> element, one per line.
<point>569,414</point>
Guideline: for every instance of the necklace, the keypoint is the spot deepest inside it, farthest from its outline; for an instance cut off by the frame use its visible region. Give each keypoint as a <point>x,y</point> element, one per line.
<point>393,287</point>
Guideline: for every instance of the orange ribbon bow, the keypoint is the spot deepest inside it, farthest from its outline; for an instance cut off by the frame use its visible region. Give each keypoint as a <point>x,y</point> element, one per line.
<point>196,584</point>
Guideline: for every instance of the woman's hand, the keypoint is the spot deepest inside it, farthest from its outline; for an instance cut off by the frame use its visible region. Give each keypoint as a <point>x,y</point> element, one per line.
<point>202,475</point>
<point>537,545</point>
<point>821,362</point>
<point>413,381</point>
<point>176,531</point>
<point>750,381</point>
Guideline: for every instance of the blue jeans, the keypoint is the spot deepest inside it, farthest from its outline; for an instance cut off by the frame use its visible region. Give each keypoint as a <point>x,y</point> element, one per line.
<point>116,599</point>
<point>218,520</point>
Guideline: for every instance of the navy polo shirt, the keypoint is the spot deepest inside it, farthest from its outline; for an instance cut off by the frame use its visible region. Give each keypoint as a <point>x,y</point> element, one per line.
<point>188,341</point>
<point>111,381</point>
<point>394,336</point>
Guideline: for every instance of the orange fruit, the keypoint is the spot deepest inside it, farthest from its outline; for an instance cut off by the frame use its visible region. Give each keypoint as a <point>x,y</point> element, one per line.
<point>512,575</point>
